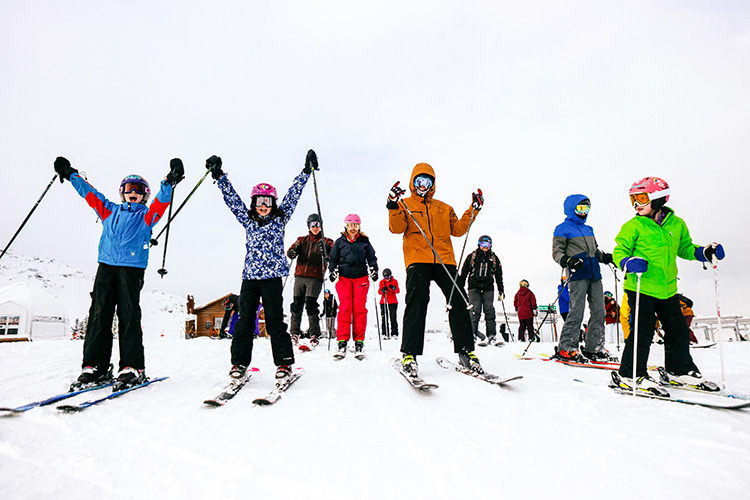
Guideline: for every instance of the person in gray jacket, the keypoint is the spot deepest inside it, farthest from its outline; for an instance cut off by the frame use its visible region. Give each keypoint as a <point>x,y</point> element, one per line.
<point>574,247</point>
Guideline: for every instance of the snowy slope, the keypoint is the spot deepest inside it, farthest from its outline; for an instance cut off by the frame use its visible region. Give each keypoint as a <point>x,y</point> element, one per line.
<point>354,429</point>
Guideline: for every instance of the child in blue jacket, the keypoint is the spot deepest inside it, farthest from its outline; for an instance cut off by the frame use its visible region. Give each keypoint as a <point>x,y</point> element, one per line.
<point>123,257</point>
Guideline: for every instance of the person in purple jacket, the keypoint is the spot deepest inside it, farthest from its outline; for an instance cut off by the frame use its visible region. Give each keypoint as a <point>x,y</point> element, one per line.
<point>123,257</point>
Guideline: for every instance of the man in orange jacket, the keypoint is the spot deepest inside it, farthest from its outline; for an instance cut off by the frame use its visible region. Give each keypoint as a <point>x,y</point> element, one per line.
<point>423,254</point>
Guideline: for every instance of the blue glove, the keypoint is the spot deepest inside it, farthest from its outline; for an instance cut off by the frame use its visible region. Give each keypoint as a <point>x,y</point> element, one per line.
<point>634,265</point>
<point>706,254</point>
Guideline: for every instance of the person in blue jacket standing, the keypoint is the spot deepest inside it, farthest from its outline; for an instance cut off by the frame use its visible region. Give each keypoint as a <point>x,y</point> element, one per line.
<point>574,247</point>
<point>123,257</point>
<point>265,265</point>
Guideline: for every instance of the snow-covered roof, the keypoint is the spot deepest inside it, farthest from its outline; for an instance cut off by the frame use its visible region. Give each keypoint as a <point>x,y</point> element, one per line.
<point>42,305</point>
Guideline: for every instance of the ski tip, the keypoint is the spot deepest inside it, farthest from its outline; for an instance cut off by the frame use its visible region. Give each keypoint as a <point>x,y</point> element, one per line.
<point>212,403</point>
<point>262,402</point>
<point>69,408</point>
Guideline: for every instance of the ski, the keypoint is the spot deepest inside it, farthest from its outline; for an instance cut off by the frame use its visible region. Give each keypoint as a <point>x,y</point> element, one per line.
<point>87,404</point>
<point>702,346</point>
<point>415,382</point>
<point>280,388</point>
<point>55,399</point>
<point>231,389</point>
<point>487,377</point>
<point>496,343</point>
<point>602,365</point>
<point>660,374</point>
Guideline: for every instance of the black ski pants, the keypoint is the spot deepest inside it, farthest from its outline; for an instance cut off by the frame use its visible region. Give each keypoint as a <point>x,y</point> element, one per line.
<point>418,279</point>
<point>115,287</point>
<point>251,293</point>
<point>677,358</point>
<point>389,319</point>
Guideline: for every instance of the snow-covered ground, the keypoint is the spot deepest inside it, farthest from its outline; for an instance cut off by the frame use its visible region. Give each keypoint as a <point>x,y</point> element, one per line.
<point>355,429</point>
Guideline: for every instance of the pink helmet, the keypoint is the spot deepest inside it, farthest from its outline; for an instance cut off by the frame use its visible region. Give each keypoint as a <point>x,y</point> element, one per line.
<point>654,187</point>
<point>352,219</point>
<point>264,189</point>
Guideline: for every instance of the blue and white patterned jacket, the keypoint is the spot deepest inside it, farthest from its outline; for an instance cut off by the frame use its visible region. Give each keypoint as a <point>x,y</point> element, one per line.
<point>265,256</point>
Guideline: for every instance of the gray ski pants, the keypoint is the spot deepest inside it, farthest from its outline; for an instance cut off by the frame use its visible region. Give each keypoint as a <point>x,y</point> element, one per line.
<point>483,300</point>
<point>579,290</point>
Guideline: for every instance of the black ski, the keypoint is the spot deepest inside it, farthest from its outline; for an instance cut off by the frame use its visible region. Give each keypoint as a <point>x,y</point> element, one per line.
<point>231,389</point>
<point>280,388</point>
<point>415,382</point>
<point>55,399</point>
<point>487,377</point>
<point>87,404</point>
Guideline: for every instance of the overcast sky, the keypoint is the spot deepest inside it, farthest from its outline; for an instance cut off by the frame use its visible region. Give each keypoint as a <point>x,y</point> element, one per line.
<point>529,101</point>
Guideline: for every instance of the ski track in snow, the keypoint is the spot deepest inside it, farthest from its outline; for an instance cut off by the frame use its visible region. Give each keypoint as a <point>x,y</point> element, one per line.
<point>355,429</point>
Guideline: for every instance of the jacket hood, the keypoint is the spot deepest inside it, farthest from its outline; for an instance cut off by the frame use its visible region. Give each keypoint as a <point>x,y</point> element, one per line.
<point>423,168</point>
<point>570,208</point>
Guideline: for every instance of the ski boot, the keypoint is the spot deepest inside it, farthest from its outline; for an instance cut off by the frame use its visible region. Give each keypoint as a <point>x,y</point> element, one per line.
<point>341,350</point>
<point>695,380</point>
<point>283,372</point>
<point>359,349</point>
<point>574,356</point>
<point>129,377</point>
<point>92,377</point>
<point>409,365</point>
<point>469,360</point>
<point>238,371</point>
<point>314,341</point>
<point>643,384</point>
<point>602,356</point>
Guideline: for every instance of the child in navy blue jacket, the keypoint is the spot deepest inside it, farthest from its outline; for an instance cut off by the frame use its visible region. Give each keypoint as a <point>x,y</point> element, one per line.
<point>123,257</point>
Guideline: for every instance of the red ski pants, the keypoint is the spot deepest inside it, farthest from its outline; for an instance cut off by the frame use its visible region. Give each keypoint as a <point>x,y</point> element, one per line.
<point>352,307</point>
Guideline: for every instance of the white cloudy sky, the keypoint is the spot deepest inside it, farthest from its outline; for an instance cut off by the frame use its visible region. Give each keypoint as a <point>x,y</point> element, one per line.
<point>529,101</point>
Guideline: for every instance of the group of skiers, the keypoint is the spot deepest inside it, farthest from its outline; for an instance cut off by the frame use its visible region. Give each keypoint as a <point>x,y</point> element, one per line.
<point>646,249</point>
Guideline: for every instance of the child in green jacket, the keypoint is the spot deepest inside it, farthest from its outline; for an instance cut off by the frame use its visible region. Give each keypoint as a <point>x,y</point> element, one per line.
<point>648,245</point>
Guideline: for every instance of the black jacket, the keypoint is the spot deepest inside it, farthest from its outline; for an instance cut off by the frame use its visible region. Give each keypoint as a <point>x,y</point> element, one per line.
<point>481,268</point>
<point>352,258</point>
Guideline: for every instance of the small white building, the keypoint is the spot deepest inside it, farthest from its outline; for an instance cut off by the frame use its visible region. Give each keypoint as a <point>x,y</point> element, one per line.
<point>30,313</point>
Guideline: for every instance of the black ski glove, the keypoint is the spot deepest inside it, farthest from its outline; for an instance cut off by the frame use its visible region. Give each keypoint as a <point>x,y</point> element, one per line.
<point>176,171</point>
<point>477,200</point>
<point>63,169</point>
<point>574,263</point>
<point>393,196</point>
<point>293,252</point>
<point>606,258</point>
<point>374,273</point>
<point>214,165</point>
<point>333,275</point>
<point>311,162</point>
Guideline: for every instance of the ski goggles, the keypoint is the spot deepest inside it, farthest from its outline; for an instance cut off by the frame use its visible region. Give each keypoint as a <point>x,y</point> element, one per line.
<point>485,244</point>
<point>423,183</point>
<point>313,224</point>
<point>640,199</point>
<point>583,209</point>
<point>264,200</point>
<point>133,187</point>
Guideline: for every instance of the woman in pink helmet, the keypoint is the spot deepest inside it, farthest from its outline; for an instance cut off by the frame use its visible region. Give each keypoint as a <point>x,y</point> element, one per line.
<point>265,265</point>
<point>648,245</point>
<point>350,257</point>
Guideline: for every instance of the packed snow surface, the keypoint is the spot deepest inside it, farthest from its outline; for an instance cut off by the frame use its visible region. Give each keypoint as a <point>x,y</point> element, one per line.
<point>356,429</point>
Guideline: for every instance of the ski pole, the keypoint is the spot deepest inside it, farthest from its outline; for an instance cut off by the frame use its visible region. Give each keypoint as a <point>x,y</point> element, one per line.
<point>163,270</point>
<point>549,309</point>
<point>634,327</point>
<point>170,218</point>
<point>460,290</point>
<point>322,233</point>
<point>715,265</point>
<point>617,304</point>
<point>29,216</point>
<point>377,321</point>
<point>461,258</point>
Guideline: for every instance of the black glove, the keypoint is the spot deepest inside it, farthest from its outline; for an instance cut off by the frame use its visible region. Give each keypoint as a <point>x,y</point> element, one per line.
<point>311,162</point>
<point>63,168</point>
<point>293,252</point>
<point>333,275</point>
<point>383,291</point>
<point>214,165</point>
<point>574,263</point>
<point>176,171</point>
<point>393,196</point>
<point>392,287</point>
<point>477,200</point>
<point>607,258</point>
<point>374,273</point>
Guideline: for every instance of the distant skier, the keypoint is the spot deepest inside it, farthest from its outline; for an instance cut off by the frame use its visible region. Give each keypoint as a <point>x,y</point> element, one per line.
<point>265,264</point>
<point>330,311</point>
<point>574,247</point>
<point>525,304</point>
<point>482,269</point>
<point>308,278</point>
<point>351,256</point>
<point>123,257</point>
<point>388,289</point>
<point>612,313</point>
<point>231,311</point>
<point>439,222</point>
<point>649,244</point>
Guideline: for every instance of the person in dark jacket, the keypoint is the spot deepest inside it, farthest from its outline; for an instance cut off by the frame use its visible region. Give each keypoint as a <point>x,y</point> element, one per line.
<point>351,256</point>
<point>231,314</point>
<point>482,268</point>
<point>388,288</point>
<point>574,247</point>
<point>308,278</point>
<point>123,257</point>
<point>525,305</point>
<point>330,310</point>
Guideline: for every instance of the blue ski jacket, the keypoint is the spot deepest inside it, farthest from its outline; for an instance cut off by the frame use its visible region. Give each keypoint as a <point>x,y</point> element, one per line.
<point>264,242</point>
<point>574,238</point>
<point>126,227</point>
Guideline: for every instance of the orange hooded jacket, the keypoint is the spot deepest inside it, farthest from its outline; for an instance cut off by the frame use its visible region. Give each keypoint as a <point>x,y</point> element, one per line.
<point>438,220</point>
